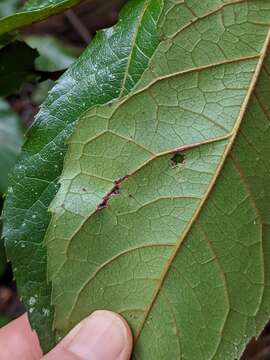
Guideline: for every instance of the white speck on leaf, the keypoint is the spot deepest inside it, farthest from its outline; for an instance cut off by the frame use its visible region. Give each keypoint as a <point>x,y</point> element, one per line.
<point>32,301</point>
<point>46,312</point>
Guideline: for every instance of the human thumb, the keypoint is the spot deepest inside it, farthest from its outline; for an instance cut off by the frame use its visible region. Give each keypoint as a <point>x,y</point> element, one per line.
<point>102,336</point>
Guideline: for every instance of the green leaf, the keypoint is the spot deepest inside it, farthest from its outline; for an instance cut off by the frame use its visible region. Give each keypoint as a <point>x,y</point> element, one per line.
<point>11,138</point>
<point>33,11</point>
<point>163,210</point>
<point>8,7</point>
<point>54,56</point>
<point>40,93</point>
<point>120,55</point>
<point>3,260</point>
<point>4,320</point>
<point>14,73</point>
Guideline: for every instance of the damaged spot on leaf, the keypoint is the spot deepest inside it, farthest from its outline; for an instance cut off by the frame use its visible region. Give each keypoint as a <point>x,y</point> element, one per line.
<point>177,159</point>
<point>115,191</point>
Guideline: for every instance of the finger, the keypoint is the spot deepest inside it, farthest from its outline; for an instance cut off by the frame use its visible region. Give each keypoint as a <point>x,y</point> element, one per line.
<point>102,336</point>
<point>19,342</point>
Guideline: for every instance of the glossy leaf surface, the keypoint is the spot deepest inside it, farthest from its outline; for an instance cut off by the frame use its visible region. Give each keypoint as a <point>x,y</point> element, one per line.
<point>120,55</point>
<point>163,209</point>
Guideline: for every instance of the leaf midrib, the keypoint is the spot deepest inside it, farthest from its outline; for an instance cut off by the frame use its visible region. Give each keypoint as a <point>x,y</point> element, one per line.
<point>231,141</point>
<point>230,135</point>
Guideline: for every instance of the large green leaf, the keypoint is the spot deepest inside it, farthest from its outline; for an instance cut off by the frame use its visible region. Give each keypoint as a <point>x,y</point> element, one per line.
<point>33,11</point>
<point>120,55</point>
<point>163,210</point>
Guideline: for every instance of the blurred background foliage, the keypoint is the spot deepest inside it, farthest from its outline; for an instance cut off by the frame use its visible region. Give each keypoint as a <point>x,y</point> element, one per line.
<point>8,7</point>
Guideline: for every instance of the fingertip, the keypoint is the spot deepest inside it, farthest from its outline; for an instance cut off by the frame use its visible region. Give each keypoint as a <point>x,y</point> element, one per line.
<point>19,341</point>
<point>104,335</point>
<point>128,336</point>
<point>125,328</point>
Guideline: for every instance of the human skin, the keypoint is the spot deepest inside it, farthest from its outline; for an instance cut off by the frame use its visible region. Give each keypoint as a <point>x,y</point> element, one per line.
<point>102,336</point>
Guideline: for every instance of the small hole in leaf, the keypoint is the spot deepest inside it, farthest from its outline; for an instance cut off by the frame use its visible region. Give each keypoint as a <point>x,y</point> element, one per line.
<point>177,159</point>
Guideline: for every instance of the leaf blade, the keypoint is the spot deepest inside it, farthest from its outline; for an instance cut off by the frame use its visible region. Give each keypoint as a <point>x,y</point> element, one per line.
<point>34,11</point>
<point>67,253</point>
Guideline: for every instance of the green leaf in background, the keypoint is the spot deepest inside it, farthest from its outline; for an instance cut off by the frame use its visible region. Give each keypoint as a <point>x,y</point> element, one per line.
<point>33,11</point>
<point>11,138</point>
<point>40,93</point>
<point>8,7</point>
<point>54,56</point>
<point>110,66</point>
<point>16,66</point>
<point>163,210</point>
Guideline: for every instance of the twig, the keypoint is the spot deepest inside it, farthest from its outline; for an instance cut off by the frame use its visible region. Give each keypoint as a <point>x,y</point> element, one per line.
<point>78,26</point>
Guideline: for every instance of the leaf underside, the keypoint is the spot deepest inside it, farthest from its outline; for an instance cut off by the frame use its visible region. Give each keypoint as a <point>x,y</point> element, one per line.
<point>167,240</point>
